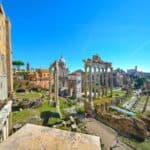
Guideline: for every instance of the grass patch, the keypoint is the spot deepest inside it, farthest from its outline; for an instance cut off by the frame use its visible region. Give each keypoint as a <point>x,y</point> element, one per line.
<point>80,110</point>
<point>22,116</point>
<point>102,100</point>
<point>44,111</point>
<point>25,95</point>
<point>118,94</point>
<point>145,145</point>
<point>26,114</point>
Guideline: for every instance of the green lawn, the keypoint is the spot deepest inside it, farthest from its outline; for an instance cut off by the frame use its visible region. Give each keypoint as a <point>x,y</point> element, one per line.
<point>118,93</point>
<point>136,144</point>
<point>28,95</point>
<point>102,100</point>
<point>44,111</point>
<point>139,105</point>
<point>26,114</point>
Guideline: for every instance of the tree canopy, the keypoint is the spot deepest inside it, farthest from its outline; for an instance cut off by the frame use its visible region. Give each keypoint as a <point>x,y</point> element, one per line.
<point>18,63</point>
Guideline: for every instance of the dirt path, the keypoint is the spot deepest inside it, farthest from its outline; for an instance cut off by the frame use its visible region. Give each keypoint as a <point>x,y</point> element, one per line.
<point>108,136</point>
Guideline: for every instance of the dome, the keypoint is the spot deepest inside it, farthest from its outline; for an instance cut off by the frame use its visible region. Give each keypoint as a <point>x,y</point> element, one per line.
<point>62,59</point>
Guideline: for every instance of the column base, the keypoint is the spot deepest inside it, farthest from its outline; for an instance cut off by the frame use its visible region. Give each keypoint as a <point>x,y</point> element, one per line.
<point>89,109</point>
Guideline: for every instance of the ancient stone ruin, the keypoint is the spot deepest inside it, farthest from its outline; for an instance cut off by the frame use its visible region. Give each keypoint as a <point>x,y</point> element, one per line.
<point>54,70</point>
<point>98,81</point>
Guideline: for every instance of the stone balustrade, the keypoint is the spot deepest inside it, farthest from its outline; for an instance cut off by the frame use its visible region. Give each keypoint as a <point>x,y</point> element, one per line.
<point>5,121</point>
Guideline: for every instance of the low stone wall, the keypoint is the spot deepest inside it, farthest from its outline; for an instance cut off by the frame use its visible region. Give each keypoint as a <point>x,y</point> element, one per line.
<point>5,121</point>
<point>26,103</point>
<point>125,125</point>
<point>147,122</point>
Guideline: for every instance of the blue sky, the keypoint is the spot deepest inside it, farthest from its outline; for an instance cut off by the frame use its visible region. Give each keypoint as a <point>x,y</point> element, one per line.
<point>117,30</point>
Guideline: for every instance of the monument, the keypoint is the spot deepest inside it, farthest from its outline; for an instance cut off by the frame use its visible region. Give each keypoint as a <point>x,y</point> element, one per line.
<point>98,81</point>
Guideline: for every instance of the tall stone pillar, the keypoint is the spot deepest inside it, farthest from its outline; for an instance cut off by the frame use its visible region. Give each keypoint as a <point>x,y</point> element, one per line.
<point>103,76</point>
<point>111,81</point>
<point>50,83</point>
<point>57,88</point>
<point>106,81</point>
<point>89,106</point>
<point>90,84</point>
<point>95,77</point>
<point>86,80</point>
<point>9,61</point>
<point>99,82</point>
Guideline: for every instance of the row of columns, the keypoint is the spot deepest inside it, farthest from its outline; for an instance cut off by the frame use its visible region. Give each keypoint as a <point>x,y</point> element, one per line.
<point>98,82</point>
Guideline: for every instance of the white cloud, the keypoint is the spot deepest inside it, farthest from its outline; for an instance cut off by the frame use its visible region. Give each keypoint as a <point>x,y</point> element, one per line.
<point>140,47</point>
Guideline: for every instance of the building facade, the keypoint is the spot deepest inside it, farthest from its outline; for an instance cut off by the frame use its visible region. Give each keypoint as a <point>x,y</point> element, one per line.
<point>6,76</point>
<point>63,76</point>
<point>39,78</point>
<point>75,85</point>
<point>119,78</point>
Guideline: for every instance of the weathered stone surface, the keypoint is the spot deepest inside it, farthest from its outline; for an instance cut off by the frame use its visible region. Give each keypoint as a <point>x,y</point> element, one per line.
<point>89,109</point>
<point>73,127</point>
<point>27,103</point>
<point>125,125</point>
<point>35,137</point>
<point>147,122</point>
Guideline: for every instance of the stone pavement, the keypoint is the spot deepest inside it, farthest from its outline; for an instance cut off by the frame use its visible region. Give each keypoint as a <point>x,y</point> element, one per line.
<point>108,136</point>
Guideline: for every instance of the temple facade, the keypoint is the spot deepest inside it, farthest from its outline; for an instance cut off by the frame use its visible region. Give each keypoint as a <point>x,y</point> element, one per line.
<point>6,79</point>
<point>98,79</point>
<point>63,83</point>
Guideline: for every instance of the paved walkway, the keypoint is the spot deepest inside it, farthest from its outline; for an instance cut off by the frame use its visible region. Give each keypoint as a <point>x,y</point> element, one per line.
<point>108,136</point>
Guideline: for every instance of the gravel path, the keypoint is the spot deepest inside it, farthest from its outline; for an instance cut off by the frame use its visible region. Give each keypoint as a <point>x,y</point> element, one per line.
<point>108,136</point>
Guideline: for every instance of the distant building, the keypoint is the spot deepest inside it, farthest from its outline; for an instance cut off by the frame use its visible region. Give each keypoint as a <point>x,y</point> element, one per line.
<point>82,78</point>
<point>19,74</point>
<point>6,76</point>
<point>75,84</point>
<point>28,67</point>
<point>135,73</point>
<point>146,74</point>
<point>39,78</point>
<point>63,73</point>
<point>69,84</point>
<point>119,78</point>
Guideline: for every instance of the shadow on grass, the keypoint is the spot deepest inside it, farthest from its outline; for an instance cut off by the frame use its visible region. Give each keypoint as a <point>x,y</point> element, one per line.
<point>46,115</point>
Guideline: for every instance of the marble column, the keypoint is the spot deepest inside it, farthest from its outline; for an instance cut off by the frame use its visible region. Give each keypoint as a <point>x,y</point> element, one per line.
<point>90,84</point>
<point>111,81</point>
<point>99,82</point>
<point>85,81</point>
<point>103,76</point>
<point>106,81</point>
<point>57,89</point>
<point>50,83</point>
<point>95,82</point>
<point>90,93</point>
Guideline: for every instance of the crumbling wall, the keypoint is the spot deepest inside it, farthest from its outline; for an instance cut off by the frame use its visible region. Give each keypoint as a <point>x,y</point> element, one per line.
<point>128,126</point>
